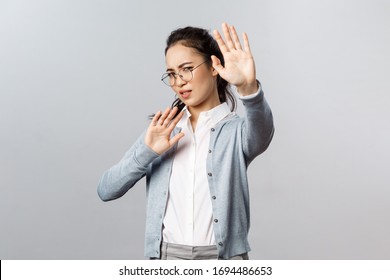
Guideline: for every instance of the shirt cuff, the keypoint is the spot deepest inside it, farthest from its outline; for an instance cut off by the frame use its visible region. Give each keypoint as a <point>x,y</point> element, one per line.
<point>244,97</point>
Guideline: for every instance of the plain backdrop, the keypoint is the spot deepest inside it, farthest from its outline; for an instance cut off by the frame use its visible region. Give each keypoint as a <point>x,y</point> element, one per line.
<point>78,79</point>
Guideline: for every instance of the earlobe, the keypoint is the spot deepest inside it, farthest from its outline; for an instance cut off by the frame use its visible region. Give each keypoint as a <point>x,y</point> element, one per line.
<point>216,63</point>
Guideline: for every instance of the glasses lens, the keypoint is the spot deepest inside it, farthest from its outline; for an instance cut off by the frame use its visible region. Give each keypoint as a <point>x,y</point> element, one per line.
<point>185,74</point>
<point>167,79</point>
<point>170,78</point>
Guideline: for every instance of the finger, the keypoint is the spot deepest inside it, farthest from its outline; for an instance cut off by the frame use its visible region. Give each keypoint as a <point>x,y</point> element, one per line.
<point>155,118</point>
<point>176,138</point>
<point>170,116</point>
<point>236,40</point>
<point>247,47</point>
<point>220,42</point>
<point>163,116</point>
<point>228,38</point>
<point>176,120</point>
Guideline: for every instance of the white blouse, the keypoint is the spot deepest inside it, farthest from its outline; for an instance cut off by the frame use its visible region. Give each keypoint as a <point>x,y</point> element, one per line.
<point>188,217</point>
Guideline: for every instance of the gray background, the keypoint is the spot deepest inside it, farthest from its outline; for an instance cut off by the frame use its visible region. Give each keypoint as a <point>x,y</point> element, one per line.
<point>78,78</point>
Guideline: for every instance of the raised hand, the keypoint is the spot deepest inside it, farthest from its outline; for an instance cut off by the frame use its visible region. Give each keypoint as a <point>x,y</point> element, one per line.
<point>158,135</point>
<point>239,69</point>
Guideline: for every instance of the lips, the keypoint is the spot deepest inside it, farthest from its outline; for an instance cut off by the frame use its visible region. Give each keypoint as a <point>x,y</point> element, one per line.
<point>185,93</point>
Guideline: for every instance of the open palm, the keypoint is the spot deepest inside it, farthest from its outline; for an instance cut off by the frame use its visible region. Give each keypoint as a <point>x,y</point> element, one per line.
<point>239,68</point>
<point>158,135</point>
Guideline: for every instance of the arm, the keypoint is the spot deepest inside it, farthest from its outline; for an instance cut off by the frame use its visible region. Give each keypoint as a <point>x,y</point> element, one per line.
<point>117,180</point>
<point>258,128</point>
<point>157,139</point>
<point>240,71</point>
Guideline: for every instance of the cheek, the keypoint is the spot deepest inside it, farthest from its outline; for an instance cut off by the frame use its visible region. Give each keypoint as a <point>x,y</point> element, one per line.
<point>201,75</point>
<point>203,78</point>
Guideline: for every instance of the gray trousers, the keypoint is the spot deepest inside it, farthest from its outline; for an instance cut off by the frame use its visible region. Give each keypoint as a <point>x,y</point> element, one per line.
<point>171,251</point>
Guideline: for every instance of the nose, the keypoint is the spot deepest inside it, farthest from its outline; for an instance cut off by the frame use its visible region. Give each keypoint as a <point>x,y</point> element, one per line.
<point>179,81</point>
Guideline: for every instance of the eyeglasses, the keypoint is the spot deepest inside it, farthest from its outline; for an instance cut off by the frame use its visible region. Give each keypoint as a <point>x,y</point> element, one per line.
<point>185,75</point>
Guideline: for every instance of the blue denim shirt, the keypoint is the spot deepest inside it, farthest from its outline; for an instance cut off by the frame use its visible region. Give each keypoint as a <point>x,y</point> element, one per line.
<point>234,143</point>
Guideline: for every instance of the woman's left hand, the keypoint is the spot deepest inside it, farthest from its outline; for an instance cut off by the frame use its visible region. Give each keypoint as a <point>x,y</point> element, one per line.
<point>239,69</point>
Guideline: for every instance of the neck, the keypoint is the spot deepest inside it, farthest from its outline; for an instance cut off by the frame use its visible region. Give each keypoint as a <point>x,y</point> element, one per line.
<point>195,111</point>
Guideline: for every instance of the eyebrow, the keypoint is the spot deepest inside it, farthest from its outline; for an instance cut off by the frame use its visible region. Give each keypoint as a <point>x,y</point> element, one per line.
<point>180,66</point>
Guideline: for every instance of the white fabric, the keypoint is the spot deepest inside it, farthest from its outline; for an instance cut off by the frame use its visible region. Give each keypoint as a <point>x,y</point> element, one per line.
<point>188,217</point>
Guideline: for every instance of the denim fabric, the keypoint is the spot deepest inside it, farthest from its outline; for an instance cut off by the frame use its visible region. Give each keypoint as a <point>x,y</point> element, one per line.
<point>234,143</point>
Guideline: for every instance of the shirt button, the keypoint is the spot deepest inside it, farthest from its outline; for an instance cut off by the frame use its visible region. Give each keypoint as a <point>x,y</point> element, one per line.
<point>213,129</point>
<point>220,243</point>
<point>210,174</point>
<point>213,197</point>
<point>209,151</point>
<point>216,220</point>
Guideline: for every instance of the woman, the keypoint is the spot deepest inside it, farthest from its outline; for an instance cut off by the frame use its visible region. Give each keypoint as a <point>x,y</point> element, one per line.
<point>195,155</point>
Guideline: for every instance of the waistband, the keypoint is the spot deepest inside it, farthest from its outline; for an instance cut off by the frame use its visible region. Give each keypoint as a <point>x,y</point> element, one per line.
<point>185,252</point>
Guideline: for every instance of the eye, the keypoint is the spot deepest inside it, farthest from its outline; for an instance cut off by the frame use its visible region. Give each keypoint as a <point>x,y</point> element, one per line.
<point>187,69</point>
<point>170,74</point>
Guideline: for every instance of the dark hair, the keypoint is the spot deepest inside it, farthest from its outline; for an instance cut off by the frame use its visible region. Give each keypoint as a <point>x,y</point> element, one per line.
<point>201,40</point>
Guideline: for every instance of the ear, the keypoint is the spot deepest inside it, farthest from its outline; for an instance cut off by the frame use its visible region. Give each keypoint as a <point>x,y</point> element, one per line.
<point>215,72</point>
<point>217,66</point>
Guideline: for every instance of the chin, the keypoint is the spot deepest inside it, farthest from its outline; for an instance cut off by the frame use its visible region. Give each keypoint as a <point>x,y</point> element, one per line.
<point>188,103</point>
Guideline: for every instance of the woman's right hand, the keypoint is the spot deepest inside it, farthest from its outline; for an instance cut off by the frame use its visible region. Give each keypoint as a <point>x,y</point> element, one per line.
<point>158,135</point>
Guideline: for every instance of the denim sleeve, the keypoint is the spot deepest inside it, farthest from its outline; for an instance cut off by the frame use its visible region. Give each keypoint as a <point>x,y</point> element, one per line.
<point>117,180</point>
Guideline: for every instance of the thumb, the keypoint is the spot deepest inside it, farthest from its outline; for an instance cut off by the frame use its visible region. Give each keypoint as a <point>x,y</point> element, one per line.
<point>217,64</point>
<point>176,138</point>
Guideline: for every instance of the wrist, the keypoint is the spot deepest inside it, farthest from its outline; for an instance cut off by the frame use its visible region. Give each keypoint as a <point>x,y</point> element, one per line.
<point>248,89</point>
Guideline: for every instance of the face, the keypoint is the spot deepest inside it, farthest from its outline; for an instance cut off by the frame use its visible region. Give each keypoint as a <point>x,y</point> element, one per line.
<point>201,92</point>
